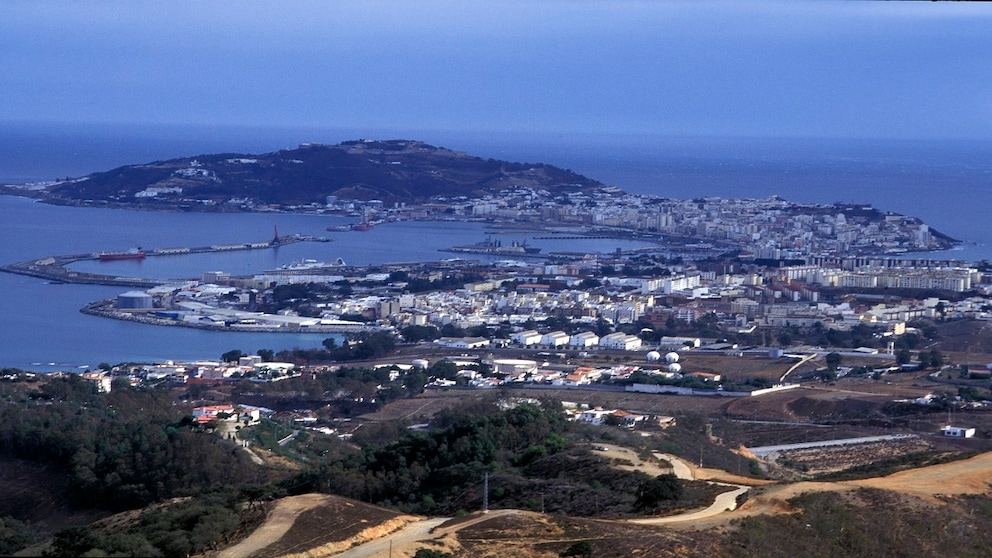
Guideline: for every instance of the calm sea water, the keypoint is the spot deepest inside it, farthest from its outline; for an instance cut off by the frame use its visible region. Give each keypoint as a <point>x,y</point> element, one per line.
<point>43,329</point>
<point>948,184</point>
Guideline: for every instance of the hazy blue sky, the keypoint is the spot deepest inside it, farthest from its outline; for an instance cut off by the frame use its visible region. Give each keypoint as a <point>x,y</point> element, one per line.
<point>809,68</point>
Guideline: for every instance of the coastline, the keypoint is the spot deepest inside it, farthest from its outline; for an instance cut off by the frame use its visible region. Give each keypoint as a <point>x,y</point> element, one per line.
<point>105,309</point>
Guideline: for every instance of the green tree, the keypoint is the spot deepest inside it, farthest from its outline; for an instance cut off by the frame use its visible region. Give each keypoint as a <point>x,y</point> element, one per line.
<point>941,309</point>
<point>903,356</point>
<point>73,542</point>
<point>581,549</point>
<point>232,356</point>
<point>653,492</point>
<point>267,355</point>
<point>936,358</point>
<point>834,360</point>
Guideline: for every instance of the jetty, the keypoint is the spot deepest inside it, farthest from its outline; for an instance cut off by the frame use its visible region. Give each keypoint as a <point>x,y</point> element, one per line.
<point>55,268</point>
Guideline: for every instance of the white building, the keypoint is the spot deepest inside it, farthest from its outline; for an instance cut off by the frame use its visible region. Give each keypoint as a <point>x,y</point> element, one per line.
<point>584,339</point>
<point>555,339</point>
<point>620,341</point>
<point>957,431</point>
<point>526,337</point>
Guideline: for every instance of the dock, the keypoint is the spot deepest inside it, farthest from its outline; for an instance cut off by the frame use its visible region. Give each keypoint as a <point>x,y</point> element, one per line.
<point>54,268</point>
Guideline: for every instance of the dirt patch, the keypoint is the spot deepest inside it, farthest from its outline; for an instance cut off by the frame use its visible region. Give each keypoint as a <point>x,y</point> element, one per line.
<point>528,535</point>
<point>968,476</point>
<point>830,459</point>
<point>310,521</point>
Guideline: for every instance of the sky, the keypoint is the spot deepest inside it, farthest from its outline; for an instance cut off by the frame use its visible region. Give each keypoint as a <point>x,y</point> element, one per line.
<point>759,68</point>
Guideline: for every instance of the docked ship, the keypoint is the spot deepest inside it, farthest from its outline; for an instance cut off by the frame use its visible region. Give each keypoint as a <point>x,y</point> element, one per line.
<point>133,254</point>
<point>307,265</point>
<point>496,247</point>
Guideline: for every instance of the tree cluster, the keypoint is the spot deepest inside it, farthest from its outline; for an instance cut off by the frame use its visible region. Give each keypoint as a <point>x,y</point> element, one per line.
<point>121,450</point>
<point>526,452</point>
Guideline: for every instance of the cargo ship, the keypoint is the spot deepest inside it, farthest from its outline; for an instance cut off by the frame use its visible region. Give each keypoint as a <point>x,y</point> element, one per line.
<point>135,254</point>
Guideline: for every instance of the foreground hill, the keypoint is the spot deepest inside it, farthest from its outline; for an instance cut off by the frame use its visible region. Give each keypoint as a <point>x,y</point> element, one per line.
<point>391,171</point>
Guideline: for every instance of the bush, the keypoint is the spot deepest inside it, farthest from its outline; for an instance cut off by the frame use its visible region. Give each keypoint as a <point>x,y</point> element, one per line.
<point>582,549</point>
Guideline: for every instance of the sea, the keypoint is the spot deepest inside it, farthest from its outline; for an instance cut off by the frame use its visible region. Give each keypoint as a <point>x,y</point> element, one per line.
<point>948,184</point>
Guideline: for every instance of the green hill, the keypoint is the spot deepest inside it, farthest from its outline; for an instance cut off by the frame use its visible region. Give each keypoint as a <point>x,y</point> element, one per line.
<point>391,171</point>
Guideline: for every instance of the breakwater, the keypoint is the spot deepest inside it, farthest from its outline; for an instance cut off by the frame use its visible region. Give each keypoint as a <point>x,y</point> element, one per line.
<point>55,268</point>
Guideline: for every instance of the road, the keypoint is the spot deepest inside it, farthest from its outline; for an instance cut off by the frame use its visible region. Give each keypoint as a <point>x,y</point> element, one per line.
<point>407,540</point>
<point>725,501</point>
<point>276,524</point>
<point>412,533</point>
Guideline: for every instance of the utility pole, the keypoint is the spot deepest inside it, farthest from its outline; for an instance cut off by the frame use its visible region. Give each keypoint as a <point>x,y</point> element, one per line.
<point>485,494</point>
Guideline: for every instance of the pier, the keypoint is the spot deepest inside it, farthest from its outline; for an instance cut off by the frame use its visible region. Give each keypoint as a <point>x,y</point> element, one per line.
<point>53,268</point>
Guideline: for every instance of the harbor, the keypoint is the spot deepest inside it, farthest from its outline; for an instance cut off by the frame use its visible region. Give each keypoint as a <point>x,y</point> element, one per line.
<point>55,268</point>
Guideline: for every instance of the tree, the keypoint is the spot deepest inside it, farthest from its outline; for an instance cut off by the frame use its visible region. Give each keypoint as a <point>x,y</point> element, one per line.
<point>74,541</point>
<point>834,360</point>
<point>581,549</point>
<point>903,356</point>
<point>232,356</point>
<point>941,309</point>
<point>268,355</point>
<point>653,492</point>
<point>936,358</point>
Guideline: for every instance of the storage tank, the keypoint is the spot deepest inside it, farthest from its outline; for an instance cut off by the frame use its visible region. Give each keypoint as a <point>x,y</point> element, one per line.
<point>672,357</point>
<point>675,368</point>
<point>654,356</point>
<point>134,300</point>
<point>421,363</point>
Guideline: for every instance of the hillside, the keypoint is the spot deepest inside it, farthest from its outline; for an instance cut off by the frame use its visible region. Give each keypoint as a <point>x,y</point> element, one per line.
<point>391,171</point>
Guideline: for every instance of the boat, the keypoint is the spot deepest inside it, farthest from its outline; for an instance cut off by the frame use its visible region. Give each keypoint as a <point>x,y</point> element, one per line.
<point>134,254</point>
<point>363,226</point>
<point>490,246</point>
<point>307,265</point>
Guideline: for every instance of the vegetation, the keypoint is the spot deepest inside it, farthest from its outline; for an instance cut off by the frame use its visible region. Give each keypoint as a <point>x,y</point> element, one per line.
<point>173,531</point>
<point>527,452</point>
<point>347,170</point>
<point>834,525</point>
<point>121,450</point>
<point>581,549</point>
<point>126,450</point>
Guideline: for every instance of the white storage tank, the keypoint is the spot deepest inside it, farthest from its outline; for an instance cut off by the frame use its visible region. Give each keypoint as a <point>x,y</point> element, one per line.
<point>654,356</point>
<point>672,357</point>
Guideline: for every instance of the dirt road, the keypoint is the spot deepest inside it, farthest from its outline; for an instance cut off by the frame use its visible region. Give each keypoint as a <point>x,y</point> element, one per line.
<point>407,540</point>
<point>397,544</point>
<point>968,476</point>
<point>276,524</point>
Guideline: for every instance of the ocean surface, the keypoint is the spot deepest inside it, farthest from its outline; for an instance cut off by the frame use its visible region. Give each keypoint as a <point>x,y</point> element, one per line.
<point>947,184</point>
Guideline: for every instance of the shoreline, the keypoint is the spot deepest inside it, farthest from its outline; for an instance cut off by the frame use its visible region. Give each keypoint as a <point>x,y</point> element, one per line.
<point>105,309</point>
